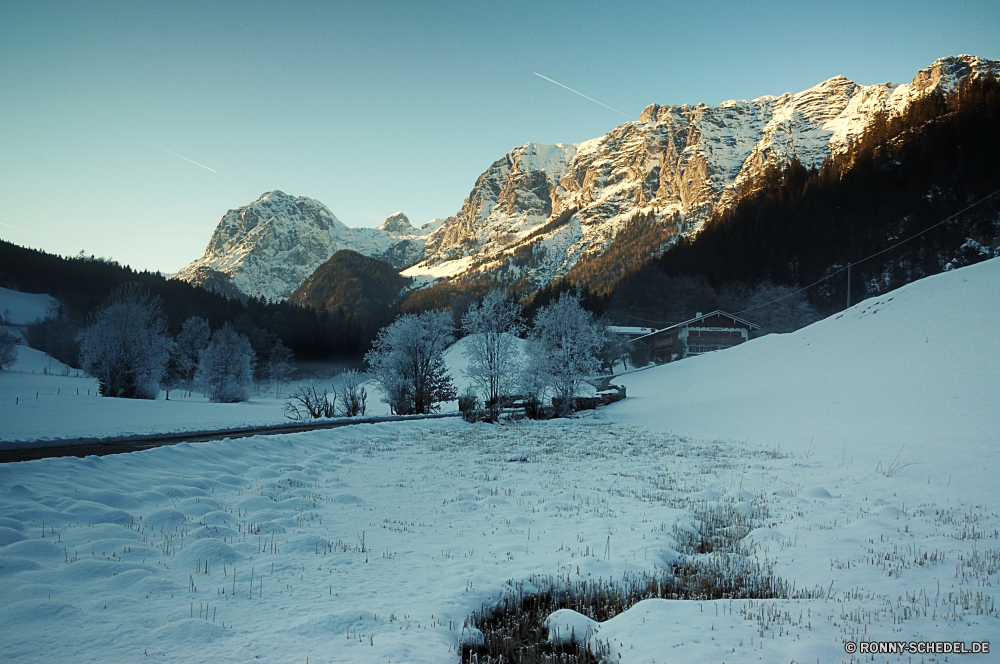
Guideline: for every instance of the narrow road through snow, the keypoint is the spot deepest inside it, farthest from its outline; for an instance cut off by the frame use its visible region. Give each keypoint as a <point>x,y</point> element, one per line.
<point>104,446</point>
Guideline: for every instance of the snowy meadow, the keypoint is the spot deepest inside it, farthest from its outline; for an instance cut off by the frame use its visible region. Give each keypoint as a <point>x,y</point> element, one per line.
<point>851,465</point>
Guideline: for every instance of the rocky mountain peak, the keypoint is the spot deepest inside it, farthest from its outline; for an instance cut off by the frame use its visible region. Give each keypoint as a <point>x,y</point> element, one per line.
<point>268,248</point>
<point>396,223</point>
<point>540,210</point>
<point>945,73</point>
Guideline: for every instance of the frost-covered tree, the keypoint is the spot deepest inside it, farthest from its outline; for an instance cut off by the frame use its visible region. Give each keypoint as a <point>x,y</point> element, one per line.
<point>225,370</point>
<point>494,363</point>
<point>193,339</point>
<point>8,351</point>
<point>126,345</point>
<point>280,366</point>
<point>406,360</point>
<point>564,348</point>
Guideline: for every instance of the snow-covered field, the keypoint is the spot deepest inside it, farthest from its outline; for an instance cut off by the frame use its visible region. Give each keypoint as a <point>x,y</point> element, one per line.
<point>859,453</point>
<point>44,403</point>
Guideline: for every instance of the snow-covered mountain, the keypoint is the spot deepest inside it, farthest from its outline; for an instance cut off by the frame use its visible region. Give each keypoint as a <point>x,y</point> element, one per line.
<point>268,248</point>
<point>537,211</point>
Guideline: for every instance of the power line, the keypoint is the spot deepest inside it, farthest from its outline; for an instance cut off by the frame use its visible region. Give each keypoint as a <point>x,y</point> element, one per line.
<point>646,320</point>
<point>877,253</point>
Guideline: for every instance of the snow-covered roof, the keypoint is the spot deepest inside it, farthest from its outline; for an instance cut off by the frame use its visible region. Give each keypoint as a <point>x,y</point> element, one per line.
<point>625,329</point>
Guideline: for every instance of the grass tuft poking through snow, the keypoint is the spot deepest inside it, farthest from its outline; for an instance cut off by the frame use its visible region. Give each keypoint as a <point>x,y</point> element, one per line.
<point>522,628</point>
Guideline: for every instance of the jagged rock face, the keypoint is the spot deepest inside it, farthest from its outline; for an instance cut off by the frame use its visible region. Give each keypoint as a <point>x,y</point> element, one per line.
<point>534,214</point>
<point>558,203</point>
<point>396,223</point>
<point>269,248</point>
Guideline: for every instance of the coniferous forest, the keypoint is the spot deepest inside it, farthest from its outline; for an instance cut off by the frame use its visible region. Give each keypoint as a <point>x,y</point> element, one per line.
<point>82,283</point>
<point>902,177</point>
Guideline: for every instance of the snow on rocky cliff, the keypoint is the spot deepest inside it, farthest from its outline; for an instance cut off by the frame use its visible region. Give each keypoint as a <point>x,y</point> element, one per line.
<point>268,248</point>
<point>541,208</point>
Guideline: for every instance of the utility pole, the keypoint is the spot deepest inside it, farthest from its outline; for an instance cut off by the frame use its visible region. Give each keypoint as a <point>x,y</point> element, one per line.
<point>848,285</point>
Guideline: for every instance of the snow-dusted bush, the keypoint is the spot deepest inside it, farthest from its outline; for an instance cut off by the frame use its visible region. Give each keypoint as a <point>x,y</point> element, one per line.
<point>126,346</point>
<point>311,402</point>
<point>468,405</point>
<point>406,360</point>
<point>192,339</point>
<point>225,370</point>
<point>8,351</point>
<point>564,349</point>
<point>494,364</point>
<point>354,400</point>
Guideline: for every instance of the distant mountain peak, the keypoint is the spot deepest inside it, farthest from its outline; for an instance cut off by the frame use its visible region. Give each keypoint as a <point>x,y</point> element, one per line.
<point>268,248</point>
<point>396,223</point>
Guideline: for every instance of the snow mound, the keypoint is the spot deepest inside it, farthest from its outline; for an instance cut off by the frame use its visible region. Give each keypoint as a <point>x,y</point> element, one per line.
<point>567,626</point>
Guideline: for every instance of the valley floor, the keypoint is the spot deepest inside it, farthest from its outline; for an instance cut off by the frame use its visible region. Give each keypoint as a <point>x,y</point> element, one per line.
<point>859,453</point>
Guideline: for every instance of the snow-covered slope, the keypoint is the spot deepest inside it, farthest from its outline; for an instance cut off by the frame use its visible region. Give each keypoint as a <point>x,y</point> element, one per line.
<point>538,210</point>
<point>268,248</point>
<point>918,366</point>
<point>17,308</point>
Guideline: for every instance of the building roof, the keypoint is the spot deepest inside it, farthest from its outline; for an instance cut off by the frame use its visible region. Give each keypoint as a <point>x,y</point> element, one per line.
<point>690,323</point>
<point>623,329</point>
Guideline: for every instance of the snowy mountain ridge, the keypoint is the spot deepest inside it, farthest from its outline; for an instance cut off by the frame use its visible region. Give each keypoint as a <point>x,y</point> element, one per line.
<point>536,212</point>
<point>676,164</point>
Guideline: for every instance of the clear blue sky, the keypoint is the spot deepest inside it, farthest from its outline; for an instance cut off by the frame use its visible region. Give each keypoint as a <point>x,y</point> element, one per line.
<point>377,108</point>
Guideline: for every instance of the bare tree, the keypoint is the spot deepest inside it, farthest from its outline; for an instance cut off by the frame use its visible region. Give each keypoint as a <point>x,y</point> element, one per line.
<point>354,400</point>
<point>126,345</point>
<point>310,402</point>
<point>406,360</point>
<point>225,370</point>
<point>494,362</point>
<point>564,348</point>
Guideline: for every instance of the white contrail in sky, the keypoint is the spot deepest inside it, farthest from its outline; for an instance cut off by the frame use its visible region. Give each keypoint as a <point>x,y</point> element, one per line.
<point>184,158</point>
<point>14,227</point>
<point>579,93</point>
